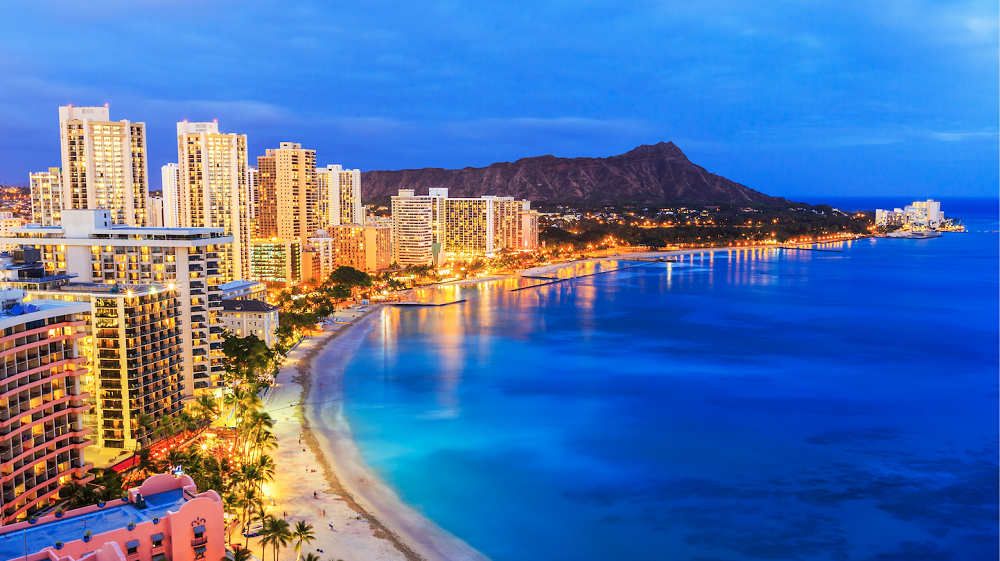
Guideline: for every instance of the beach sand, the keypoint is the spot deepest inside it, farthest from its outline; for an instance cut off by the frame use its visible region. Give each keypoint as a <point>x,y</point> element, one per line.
<point>316,454</point>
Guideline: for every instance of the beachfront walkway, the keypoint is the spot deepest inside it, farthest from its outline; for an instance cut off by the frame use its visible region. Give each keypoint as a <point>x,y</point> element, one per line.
<point>298,477</point>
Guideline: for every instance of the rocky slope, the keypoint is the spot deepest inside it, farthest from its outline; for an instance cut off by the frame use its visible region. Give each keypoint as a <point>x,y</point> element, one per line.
<point>660,173</point>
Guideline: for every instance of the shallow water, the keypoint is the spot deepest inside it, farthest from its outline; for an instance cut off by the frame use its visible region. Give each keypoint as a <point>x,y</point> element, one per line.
<point>746,405</point>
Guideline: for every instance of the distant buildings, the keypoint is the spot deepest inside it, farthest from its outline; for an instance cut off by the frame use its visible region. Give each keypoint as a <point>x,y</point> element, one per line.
<point>104,164</point>
<point>435,228</point>
<point>46,197</point>
<point>156,211</point>
<point>925,214</point>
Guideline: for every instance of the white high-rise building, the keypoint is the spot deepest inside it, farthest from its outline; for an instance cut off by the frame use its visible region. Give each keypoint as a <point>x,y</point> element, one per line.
<point>170,177</point>
<point>46,197</point>
<point>213,191</point>
<point>156,211</point>
<point>339,196</point>
<point>103,164</point>
<point>417,227</point>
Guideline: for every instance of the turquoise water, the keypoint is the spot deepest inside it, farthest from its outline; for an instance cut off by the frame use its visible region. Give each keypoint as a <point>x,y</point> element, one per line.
<point>767,405</point>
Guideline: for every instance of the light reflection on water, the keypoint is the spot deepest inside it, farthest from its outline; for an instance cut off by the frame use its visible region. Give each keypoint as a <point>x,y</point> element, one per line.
<point>736,405</point>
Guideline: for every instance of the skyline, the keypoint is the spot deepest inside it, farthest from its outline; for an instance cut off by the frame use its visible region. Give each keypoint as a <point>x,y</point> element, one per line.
<point>828,100</point>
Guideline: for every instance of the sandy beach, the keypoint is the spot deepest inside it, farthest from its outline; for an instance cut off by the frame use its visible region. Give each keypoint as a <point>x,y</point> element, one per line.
<point>320,476</point>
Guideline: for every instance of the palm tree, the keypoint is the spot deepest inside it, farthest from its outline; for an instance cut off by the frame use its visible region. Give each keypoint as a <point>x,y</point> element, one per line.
<point>239,554</point>
<point>277,533</point>
<point>311,557</point>
<point>205,409</point>
<point>303,534</point>
<point>231,506</point>
<point>186,422</point>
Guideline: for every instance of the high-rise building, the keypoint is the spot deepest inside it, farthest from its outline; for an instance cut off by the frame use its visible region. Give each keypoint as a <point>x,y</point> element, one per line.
<point>251,317</point>
<point>434,228</point>
<point>156,211</point>
<point>103,164</point>
<point>90,246</point>
<point>339,196</point>
<point>213,189</point>
<point>276,262</point>
<point>252,189</point>
<point>366,248</point>
<point>288,196</point>
<point>417,228</point>
<point>170,178</point>
<point>41,404</point>
<point>529,229</point>
<point>46,197</point>
<point>135,357</point>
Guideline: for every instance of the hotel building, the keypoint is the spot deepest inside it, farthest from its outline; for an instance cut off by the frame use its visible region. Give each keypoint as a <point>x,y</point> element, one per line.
<point>920,213</point>
<point>287,194</point>
<point>213,191</point>
<point>170,180</point>
<point>434,228</point>
<point>41,403</point>
<point>136,356</point>
<point>103,164</point>
<point>339,196</point>
<point>164,519</point>
<point>276,262</point>
<point>251,317</point>
<point>156,211</point>
<point>8,223</point>
<point>418,228</point>
<point>46,196</point>
<point>366,248</point>
<point>87,244</point>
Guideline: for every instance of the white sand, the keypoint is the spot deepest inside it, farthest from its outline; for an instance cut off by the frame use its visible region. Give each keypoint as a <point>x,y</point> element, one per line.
<point>344,486</point>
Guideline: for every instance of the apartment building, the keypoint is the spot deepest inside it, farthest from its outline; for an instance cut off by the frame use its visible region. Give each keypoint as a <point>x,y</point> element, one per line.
<point>276,262</point>
<point>287,194</point>
<point>213,190</point>
<point>251,317</point>
<point>339,196</point>
<point>41,403</point>
<point>89,245</point>
<point>164,519</point>
<point>170,181</point>
<point>103,164</point>
<point>366,248</point>
<point>8,223</point>
<point>46,196</point>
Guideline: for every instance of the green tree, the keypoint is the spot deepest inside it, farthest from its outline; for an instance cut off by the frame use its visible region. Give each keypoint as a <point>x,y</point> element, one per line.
<point>303,534</point>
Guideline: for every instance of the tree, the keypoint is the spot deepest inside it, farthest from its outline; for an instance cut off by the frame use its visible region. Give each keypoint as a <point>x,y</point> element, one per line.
<point>239,554</point>
<point>303,534</point>
<point>311,557</point>
<point>277,533</point>
<point>205,409</point>
<point>349,277</point>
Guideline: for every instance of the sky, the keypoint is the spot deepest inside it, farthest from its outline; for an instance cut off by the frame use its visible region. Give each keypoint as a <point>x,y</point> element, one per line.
<point>807,98</point>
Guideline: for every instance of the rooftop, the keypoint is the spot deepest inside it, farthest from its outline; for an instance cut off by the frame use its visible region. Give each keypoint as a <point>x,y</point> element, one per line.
<point>247,306</point>
<point>34,538</point>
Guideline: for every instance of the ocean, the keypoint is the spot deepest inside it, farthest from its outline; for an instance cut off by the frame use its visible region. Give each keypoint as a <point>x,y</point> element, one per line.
<point>744,405</point>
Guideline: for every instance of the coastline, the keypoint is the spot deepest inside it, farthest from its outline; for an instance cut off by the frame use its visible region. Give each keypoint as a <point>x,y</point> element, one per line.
<point>308,405</point>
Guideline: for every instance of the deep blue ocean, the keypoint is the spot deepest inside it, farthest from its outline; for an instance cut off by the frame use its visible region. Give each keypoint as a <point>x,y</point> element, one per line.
<point>749,405</point>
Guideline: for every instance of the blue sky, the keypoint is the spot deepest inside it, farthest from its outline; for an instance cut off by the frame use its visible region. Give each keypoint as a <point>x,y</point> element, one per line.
<point>894,97</point>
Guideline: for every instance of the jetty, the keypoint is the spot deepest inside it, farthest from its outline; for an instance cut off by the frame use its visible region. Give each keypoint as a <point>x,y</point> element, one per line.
<point>410,303</point>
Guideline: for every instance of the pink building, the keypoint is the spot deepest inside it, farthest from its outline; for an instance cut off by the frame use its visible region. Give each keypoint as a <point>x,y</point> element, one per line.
<point>162,520</point>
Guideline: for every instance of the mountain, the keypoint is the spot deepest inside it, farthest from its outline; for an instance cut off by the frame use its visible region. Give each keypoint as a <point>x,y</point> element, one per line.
<point>658,173</point>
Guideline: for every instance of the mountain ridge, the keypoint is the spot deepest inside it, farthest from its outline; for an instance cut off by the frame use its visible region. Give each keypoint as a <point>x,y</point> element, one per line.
<point>649,173</point>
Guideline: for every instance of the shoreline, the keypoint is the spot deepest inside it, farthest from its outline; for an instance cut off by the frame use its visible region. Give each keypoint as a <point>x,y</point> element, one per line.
<point>311,398</point>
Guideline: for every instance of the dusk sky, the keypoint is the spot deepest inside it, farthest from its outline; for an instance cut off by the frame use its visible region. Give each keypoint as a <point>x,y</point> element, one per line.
<point>893,97</point>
